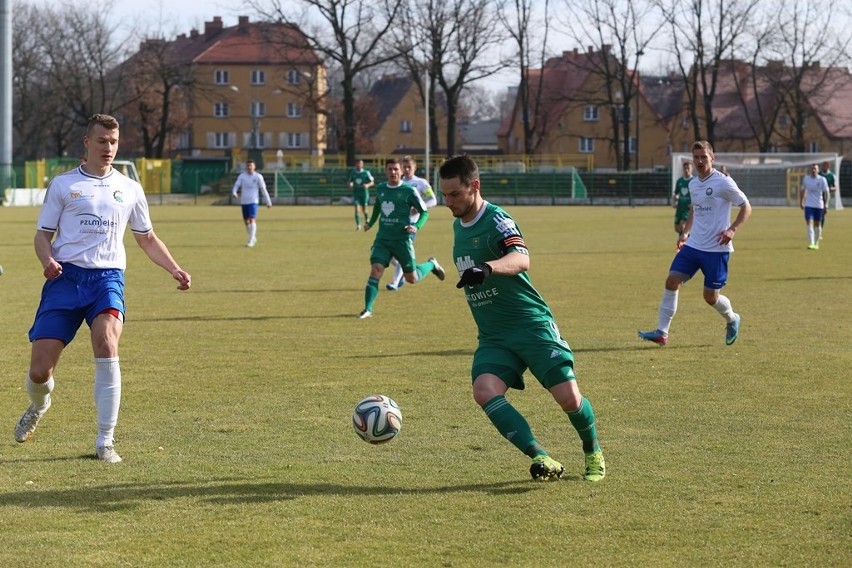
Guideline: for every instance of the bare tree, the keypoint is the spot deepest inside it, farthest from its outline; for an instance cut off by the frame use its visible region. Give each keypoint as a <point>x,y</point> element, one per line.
<point>704,34</point>
<point>446,49</point>
<point>350,33</point>
<point>622,31</point>
<point>529,31</point>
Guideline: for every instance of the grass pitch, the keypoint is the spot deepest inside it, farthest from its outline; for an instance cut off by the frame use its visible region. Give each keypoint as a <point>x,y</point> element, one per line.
<point>235,423</point>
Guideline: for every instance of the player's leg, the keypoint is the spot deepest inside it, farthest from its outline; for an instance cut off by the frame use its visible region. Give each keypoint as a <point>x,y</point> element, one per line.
<point>809,226</point>
<point>55,325</point>
<point>819,219</point>
<point>380,257</point>
<point>714,265</point>
<point>494,371</point>
<point>683,267</point>
<point>397,278</point>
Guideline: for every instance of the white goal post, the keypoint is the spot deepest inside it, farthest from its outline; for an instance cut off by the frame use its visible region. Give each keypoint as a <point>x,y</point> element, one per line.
<point>768,179</point>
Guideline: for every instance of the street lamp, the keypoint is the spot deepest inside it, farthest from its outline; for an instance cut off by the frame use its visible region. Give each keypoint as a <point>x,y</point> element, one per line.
<point>255,153</point>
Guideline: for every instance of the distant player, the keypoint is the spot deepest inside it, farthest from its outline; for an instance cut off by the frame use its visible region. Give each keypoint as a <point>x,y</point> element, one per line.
<point>250,184</point>
<point>409,167</point>
<point>831,180</point>
<point>681,199</point>
<point>813,199</point>
<point>516,329</point>
<point>705,244</point>
<point>395,237</point>
<point>360,182</point>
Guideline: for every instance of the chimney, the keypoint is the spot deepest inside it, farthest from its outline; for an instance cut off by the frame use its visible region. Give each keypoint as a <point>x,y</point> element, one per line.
<point>243,21</point>
<point>193,33</point>
<point>214,27</point>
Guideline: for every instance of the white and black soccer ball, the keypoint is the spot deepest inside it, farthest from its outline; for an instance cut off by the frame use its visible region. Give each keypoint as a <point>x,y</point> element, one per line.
<point>377,419</point>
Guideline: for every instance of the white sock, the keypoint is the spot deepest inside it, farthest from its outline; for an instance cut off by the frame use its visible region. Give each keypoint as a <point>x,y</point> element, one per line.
<point>397,274</point>
<point>107,398</point>
<point>668,308</point>
<point>39,392</point>
<point>723,306</point>
<point>252,230</point>
<point>810,234</point>
<point>248,229</point>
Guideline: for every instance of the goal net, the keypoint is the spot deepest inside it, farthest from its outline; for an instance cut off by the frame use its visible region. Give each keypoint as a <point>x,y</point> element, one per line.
<point>768,179</point>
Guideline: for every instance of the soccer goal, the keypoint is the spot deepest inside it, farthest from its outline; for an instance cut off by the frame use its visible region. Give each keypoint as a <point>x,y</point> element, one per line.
<point>768,179</point>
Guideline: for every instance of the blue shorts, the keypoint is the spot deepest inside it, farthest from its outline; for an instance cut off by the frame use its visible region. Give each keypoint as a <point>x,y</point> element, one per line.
<point>816,214</point>
<point>714,266</point>
<point>78,294</point>
<point>250,211</point>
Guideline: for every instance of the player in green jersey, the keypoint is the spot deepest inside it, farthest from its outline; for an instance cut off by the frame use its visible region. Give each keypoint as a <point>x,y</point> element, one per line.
<point>517,330</point>
<point>825,171</point>
<point>395,237</point>
<point>681,199</point>
<point>360,182</point>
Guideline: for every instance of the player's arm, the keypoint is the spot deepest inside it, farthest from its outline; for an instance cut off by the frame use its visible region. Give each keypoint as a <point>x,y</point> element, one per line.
<point>802,197</point>
<point>371,182</point>
<point>265,192</point>
<point>237,186</point>
<point>373,217</point>
<point>160,255</point>
<point>44,251</point>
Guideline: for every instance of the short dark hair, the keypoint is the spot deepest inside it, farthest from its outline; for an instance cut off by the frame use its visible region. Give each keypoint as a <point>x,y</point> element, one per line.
<point>705,145</point>
<point>390,161</point>
<point>249,162</point>
<point>105,120</point>
<point>462,167</point>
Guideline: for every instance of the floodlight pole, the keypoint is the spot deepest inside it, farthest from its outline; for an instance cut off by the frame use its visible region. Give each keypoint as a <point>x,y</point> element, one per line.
<point>5,94</point>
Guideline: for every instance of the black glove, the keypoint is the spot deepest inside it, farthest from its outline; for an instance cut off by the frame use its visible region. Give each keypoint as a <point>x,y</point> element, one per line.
<point>475,275</point>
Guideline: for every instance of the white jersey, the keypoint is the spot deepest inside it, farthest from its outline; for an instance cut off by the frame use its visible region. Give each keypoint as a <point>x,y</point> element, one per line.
<point>815,189</point>
<point>427,194</point>
<point>251,184</point>
<point>90,214</point>
<point>712,198</point>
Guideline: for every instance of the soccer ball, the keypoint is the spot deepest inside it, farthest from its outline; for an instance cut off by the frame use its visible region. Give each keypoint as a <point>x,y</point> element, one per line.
<point>377,419</point>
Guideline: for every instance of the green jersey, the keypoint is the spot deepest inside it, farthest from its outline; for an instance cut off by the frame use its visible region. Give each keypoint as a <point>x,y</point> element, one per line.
<point>829,179</point>
<point>392,209</point>
<point>360,179</point>
<point>502,303</point>
<point>681,192</point>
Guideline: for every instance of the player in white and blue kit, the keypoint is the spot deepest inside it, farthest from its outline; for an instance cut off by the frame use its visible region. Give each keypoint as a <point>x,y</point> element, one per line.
<point>813,199</point>
<point>88,209</point>
<point>705,244</point>
<point>427,194</point>
<point>250,184</point>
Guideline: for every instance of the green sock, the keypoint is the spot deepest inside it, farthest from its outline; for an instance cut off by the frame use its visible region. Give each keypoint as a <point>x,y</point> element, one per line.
<point>512,425</point>
<point>583,420</point>
<point>423,270</point>
<point>370,293</point>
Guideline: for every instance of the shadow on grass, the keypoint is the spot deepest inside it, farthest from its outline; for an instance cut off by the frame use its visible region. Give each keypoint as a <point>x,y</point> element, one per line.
<point>240,318</point>
<point>229,491</point>
<point>806,278</point>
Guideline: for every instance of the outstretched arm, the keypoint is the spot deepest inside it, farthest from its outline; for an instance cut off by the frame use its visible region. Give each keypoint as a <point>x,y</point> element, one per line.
<point>160,255</point>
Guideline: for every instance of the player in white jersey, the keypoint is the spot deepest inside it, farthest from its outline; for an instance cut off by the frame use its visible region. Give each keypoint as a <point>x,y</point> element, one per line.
<point>88,209</point>
<point>250,184</point>
<point>409,167</point>
<point>705,244</point>
<point>813,199</point>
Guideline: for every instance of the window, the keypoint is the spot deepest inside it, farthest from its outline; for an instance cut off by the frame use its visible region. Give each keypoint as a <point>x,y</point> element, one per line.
<point>587,145</point>
<point>220,110</point>
<point>627,113</point>
<point>294,110</point>
<point>220,77</point>
<point>632,145</point>
<point>813,147</point>
<point>258,77</point>
<point>254,140</point>
<point>784,121</point>
<point>590,113</point>
<point>405,126</point>
<point>294,77</point>
<point>183,141</point>
<point>294,139</point>
<point>221,140</point>
<point>258,108</point>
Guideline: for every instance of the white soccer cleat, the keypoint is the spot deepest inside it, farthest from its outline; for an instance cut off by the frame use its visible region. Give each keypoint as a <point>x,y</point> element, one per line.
<point>26,426</point>
<point>251,243</point>
<point>365,314</point>
<point>107,454</point>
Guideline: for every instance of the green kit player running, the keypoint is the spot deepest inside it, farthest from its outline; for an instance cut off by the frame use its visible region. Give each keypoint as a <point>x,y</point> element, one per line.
<point>360,182</point>
<point>681,199</point>
<point>395,237</point>
<point>516,327</point>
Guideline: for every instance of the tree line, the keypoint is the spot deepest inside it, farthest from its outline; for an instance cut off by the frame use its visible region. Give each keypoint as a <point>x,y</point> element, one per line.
<point>69,63</point>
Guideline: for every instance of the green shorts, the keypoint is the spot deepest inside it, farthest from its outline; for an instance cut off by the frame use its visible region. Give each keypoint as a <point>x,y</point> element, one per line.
<point>537,347</point>
<point>361,197</point>
<point>681,214</point>
<point>401,249</point>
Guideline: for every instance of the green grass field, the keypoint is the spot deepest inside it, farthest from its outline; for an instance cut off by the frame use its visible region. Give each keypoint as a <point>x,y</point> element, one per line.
<point>235,423</point>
